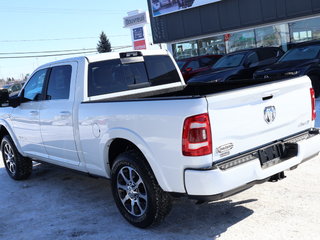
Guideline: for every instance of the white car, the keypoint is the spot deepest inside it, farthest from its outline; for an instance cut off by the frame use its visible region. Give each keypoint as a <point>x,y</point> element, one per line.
<point>129,117</point>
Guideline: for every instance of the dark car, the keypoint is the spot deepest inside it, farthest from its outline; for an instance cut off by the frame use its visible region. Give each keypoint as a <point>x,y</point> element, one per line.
<point>239,65</point>
<point>192,66</point>
<point>13,88</point>
<point>302,59</point>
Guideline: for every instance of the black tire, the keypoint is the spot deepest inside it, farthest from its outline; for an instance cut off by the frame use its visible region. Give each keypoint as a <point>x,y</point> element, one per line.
<point>315,80</point>
<point>17,166</point>
<point>140,190</point>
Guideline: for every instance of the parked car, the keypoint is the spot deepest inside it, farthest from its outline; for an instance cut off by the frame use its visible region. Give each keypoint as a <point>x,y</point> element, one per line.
<point>302,59</point>
<point>239,65</point>
<point>130,117</point>
<point>13,88</point>
<point>194,65</point>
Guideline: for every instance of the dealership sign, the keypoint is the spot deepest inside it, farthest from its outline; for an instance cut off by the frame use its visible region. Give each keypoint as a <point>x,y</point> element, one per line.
<point>130,21</point>
<point>137,22</point>
<point>161,7</point>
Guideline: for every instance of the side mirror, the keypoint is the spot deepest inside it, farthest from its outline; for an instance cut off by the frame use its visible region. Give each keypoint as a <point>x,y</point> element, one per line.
<point>4,96</point>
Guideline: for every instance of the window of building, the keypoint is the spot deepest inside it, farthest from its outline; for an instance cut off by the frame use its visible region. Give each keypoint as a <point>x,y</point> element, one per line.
<point>305,30</point>
<point>268,36</point>
<point>185,50</point>
<point>59,83</point>
<point>212,46</point>
<point>241,40</point>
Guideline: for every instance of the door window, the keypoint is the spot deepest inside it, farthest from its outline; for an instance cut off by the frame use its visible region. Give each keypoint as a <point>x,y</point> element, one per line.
<point>59,83</point>
<point>252,58</point>
<point>34,86</point>
<point>193,64</point>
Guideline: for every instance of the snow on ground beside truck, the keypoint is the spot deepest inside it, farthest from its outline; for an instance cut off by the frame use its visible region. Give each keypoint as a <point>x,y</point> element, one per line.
<point>59,204</point>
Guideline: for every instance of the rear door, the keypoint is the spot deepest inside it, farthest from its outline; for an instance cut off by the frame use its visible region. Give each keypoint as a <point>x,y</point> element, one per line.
<point>240,119</point>
<point>56,115</point>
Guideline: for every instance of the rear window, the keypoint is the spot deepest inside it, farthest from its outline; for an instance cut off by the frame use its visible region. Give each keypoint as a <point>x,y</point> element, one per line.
<point>113,76</point>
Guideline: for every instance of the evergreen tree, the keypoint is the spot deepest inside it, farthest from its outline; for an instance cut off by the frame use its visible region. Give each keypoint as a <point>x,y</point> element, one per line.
<point>104,44</point>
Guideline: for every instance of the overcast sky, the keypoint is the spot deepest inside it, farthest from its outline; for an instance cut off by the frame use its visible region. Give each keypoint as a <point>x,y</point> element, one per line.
<point>36,26</point>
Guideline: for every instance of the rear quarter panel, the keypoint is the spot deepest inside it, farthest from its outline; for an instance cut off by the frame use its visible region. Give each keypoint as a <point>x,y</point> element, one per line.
<point>154,126</point>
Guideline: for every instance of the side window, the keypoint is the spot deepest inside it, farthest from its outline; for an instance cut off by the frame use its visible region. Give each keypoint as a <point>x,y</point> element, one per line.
<point>252,58</point>
<point>269,53</point>
<point>59,83</point>
<point>35,85</point>
<point>194,65</point>
<point>204,62</point>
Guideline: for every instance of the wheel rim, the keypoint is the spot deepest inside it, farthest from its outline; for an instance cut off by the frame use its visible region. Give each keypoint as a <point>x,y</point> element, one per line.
<point>132,191</point>
<point>9,158</point>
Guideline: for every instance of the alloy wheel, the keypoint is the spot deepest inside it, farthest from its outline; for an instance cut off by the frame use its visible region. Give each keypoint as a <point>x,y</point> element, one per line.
<point>132,191</point>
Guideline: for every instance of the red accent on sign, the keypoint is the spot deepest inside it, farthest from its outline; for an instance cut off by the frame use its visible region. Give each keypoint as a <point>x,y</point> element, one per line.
<point>227,37</point>
<point>139,45</point>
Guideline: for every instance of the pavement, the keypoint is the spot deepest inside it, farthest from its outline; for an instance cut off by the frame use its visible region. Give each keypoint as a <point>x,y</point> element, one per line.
<point>57,203</point>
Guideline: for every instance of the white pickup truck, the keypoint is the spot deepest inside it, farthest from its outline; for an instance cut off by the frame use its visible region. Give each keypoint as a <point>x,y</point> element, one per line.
<point>131,118</point>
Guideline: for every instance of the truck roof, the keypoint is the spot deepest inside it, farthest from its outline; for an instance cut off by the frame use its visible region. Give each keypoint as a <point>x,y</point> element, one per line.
<point>104,56</point>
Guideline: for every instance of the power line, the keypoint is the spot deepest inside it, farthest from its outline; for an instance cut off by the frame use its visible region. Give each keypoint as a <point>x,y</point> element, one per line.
<point>59,54</point>
<point>53,51</point>
<point>60,39</point>
<point>59,10</point>
<point>48,55</point>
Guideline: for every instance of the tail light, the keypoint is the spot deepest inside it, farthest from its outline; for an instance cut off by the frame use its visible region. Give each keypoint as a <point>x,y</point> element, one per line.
<point>196,136</point>
<point>313,104</point>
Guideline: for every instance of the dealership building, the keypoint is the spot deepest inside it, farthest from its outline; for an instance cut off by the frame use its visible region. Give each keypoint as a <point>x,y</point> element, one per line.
<point>201,27</point>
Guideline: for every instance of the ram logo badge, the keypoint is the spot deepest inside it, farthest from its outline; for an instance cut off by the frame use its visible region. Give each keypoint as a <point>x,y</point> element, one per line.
<point>270,114</point>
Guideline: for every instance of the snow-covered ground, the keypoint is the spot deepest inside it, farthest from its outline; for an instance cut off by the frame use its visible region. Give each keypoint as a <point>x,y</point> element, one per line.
<point>59,204</point>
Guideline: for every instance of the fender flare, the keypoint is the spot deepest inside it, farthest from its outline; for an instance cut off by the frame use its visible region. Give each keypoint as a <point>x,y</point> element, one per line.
<point>4,124</point>
<point>138,141</point>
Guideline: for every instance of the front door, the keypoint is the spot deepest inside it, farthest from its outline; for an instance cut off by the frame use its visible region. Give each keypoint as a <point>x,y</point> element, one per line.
<point>25,118</point>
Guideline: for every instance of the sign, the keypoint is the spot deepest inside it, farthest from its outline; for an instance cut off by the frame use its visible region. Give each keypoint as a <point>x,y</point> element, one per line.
<point>162,7</point>
<point>139,45</point>
<point>130,21</point>
<point>138,33</point>
<point>227,37</point>
<point>137,22</point>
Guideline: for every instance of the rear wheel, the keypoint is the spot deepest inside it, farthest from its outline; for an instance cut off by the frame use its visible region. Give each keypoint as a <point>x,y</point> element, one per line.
<point>136,192</point>
<point>17,166</point>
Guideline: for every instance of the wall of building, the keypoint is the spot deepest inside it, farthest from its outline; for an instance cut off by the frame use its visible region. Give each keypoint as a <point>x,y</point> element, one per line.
<point>227,15</point>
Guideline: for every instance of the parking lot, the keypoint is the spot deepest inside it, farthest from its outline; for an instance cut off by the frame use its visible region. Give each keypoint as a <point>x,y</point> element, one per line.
<point>61,204</point>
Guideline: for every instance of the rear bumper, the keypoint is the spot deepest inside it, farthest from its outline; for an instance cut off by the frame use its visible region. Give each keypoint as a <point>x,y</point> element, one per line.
<point>222,180</point>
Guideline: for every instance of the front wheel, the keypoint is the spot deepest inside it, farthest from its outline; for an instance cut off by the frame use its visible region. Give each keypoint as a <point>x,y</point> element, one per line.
<point>136,192</point>
<point>17,166</point>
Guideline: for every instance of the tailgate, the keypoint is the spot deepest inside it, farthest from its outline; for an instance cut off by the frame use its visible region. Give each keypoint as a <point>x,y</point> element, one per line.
<point>245,119</point>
